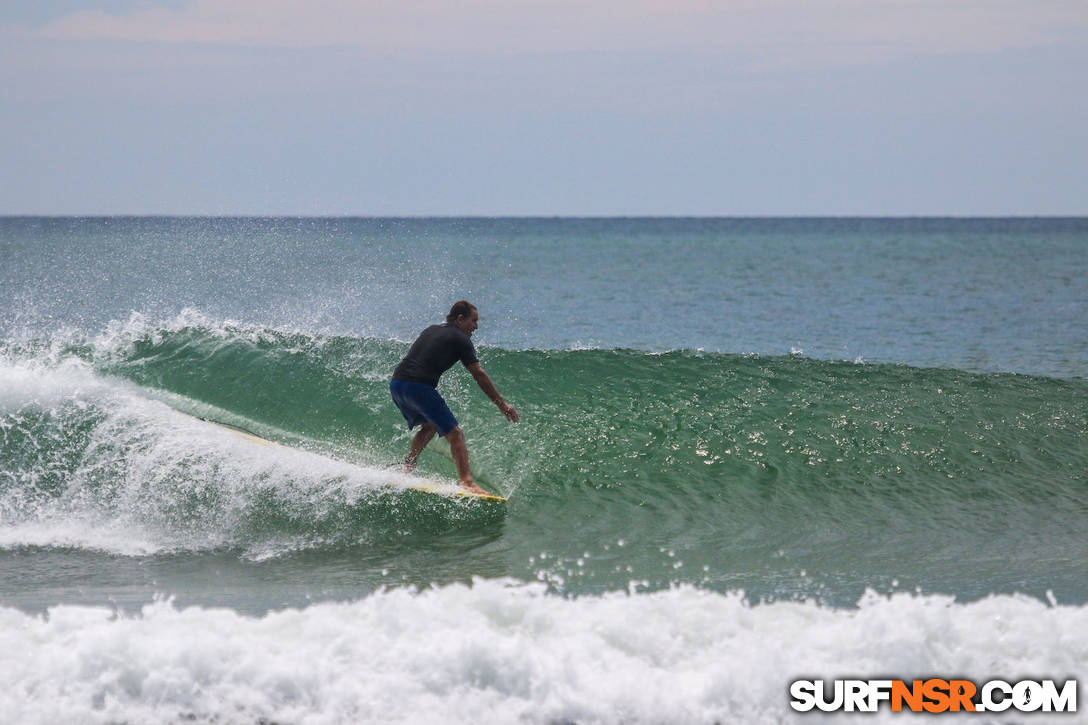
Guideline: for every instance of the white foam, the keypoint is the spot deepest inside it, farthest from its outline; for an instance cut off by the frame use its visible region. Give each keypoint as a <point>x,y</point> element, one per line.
<point>45,382</point>
<point>501,651</point>
<point>150,479</point>
<point>126,538</point>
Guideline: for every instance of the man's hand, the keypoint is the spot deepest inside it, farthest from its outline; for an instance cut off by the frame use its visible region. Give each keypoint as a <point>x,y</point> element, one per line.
<point>488,387</point>
<point>509,412</point>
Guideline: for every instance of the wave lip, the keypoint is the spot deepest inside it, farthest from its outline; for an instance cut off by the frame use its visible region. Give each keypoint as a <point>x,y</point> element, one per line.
<point>501,651</point>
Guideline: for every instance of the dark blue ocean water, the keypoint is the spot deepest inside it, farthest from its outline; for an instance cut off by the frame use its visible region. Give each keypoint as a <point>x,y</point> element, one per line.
<point>994,295</point>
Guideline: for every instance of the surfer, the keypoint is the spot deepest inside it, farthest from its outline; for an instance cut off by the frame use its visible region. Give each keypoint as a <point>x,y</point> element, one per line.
<point>415,382</point>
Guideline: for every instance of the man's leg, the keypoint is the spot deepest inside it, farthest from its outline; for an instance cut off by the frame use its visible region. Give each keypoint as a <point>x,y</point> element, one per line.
<point>459,451</point>
<point>419,442</point>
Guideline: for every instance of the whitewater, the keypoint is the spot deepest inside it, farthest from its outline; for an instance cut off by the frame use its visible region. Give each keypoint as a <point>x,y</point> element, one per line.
<point>505,651</point>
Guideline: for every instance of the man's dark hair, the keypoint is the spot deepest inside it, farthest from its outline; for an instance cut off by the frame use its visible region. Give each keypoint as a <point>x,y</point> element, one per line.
<point>461,308</point>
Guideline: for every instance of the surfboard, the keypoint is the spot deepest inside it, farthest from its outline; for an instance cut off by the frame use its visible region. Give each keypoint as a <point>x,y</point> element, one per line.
<point>448,490</point>
<point>455,491</point>
<point>251,437</point>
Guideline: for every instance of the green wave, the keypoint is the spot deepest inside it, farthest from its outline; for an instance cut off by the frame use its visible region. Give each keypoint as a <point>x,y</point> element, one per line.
<point>613,417</point>
<point>769,449</point>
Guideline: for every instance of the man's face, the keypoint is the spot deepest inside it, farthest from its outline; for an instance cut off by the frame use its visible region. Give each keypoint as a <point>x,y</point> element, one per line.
<point>469,324</point>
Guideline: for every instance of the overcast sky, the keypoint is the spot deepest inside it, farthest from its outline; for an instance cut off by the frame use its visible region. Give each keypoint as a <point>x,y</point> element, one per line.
<point>544,107</point>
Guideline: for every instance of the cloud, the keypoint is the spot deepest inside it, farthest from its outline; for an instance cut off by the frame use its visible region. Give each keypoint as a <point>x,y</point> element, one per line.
<point>767,32</point>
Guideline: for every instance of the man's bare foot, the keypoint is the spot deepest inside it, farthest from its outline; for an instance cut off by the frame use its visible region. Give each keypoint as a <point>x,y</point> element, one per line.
<point>470,485</point>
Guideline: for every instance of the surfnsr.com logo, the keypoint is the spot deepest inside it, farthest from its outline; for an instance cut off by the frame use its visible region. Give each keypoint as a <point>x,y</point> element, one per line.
<point>934,695</point>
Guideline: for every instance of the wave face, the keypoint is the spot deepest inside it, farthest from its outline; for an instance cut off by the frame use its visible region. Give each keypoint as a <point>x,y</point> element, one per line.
<point>784,476</point>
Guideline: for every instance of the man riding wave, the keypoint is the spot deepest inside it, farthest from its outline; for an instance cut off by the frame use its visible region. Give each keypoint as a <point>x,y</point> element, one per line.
<point>415,382</point>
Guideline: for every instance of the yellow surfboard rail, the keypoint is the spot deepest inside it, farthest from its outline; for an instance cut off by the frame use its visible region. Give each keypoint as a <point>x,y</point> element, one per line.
<point>462,493</point>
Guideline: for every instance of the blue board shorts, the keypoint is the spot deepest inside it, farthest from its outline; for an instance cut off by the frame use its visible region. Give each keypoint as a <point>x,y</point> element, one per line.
<point>420,403</point>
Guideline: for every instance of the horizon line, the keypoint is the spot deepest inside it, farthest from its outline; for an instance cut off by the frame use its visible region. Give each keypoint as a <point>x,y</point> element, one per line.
<point>5,215</point>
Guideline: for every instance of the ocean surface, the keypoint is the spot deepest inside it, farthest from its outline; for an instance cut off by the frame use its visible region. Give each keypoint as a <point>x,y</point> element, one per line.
<point>751,450</point>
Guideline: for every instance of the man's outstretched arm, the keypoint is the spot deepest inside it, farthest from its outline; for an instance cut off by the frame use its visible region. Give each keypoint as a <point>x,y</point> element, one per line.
<point>488,387</point>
